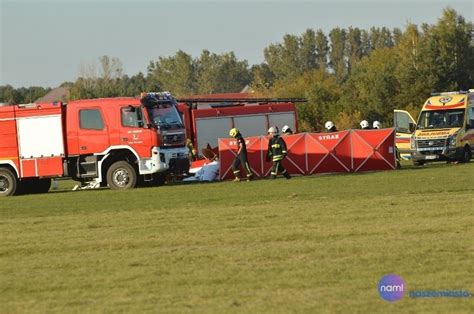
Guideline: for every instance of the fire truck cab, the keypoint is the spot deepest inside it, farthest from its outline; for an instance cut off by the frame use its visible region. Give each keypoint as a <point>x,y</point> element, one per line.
<point>119,142</point>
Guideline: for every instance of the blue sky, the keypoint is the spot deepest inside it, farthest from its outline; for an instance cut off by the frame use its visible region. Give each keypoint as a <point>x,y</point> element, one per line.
<point>44,43</point>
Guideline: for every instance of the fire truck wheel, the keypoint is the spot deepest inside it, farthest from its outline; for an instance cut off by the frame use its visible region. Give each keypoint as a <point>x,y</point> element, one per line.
<point>8,182</point>
<point>121,176</point>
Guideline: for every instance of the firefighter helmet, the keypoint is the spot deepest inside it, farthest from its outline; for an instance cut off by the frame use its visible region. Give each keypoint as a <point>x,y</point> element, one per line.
<point>273,130</point>
<point>233,132</point>
<point>286,129</point>
<point>364,124</point>
<point>329,125</point>
<point>377,125</point>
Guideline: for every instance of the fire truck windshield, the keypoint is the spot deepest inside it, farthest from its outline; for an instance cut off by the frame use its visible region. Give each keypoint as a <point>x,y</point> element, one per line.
<point>165,116</point>
<point>435,119</point>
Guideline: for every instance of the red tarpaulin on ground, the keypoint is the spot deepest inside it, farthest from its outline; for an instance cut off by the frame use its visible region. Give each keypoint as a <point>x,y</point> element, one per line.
<point>310,153</point>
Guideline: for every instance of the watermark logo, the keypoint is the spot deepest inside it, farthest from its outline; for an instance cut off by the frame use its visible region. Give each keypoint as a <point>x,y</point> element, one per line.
<point>391,287</point>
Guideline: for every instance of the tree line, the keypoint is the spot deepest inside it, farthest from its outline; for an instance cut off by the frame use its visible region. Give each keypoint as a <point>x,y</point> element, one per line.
<point>347,75</point>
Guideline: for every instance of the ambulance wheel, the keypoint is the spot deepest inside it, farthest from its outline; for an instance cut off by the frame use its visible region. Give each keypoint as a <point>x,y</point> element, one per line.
<point>8,182</point>
<point>121,176</point>
<point>466,154</point>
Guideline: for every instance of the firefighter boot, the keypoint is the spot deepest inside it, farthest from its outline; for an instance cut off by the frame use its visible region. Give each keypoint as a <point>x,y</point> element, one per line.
<point>286,175</point>
<point>237,179</point>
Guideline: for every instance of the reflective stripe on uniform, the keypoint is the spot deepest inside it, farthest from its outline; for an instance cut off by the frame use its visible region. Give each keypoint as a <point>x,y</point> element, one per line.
<point>249,172</point>
<point>277,157</point>
<point>276,165</point>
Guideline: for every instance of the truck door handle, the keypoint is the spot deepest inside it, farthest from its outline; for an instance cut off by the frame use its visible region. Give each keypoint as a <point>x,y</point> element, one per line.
<point>124,139</point>
<point>83,148</point>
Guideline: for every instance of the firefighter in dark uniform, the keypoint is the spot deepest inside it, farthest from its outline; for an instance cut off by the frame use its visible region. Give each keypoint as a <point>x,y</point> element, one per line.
<point>276,153</point>
<point>241,157</point>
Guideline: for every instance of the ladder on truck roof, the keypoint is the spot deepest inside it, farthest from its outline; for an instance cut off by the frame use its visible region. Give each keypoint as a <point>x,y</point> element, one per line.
<point>230,102</point>
<point>241,100</point>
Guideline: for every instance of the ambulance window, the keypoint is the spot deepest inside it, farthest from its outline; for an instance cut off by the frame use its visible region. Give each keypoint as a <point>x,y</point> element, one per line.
<point>91,119</point>
<point>470,118</point>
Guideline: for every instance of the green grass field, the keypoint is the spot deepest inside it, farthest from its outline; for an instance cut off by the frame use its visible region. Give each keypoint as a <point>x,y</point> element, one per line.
<point>311,244</point>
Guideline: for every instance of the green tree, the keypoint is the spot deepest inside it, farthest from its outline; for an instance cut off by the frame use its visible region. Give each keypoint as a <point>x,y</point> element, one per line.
<point>22,95</point>
<point>380,37</point>
<point>413,70</point>
<point>372,86</point>
<point>207,72</point>
<point>366,46</point>
<point>262,77</point>
<point>321,90</point>
<point>221,73</point>
<point>322,49</point>
<point>176,74</point>
<point>284,59</point>
<point>451,51</point>
<point>397,35</point>
<point>233,75</point>
<point>307,50</point>
<point>336,55</point>
<point>9,95</point>
<point>353,47</point>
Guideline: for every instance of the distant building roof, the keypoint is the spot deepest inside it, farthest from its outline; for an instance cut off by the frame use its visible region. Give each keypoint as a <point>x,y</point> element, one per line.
<point>57,94</point>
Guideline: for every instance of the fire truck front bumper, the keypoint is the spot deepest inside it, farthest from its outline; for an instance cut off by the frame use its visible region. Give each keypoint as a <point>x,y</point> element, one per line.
<point>173,160</point>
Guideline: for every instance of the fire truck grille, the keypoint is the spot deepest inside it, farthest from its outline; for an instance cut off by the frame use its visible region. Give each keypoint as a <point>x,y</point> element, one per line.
<point>432,143</point>
<point>174,139</point>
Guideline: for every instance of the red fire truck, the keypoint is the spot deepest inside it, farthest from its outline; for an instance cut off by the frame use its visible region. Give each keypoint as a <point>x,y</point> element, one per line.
<point>119,142</point>
<point>210,117</point>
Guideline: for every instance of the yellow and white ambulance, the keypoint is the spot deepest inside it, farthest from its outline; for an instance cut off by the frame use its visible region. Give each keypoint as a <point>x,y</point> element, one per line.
<point>444,131</point>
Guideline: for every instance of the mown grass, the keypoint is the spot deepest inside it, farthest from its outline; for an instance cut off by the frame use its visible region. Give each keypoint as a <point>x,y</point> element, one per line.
<point>311,244</point>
